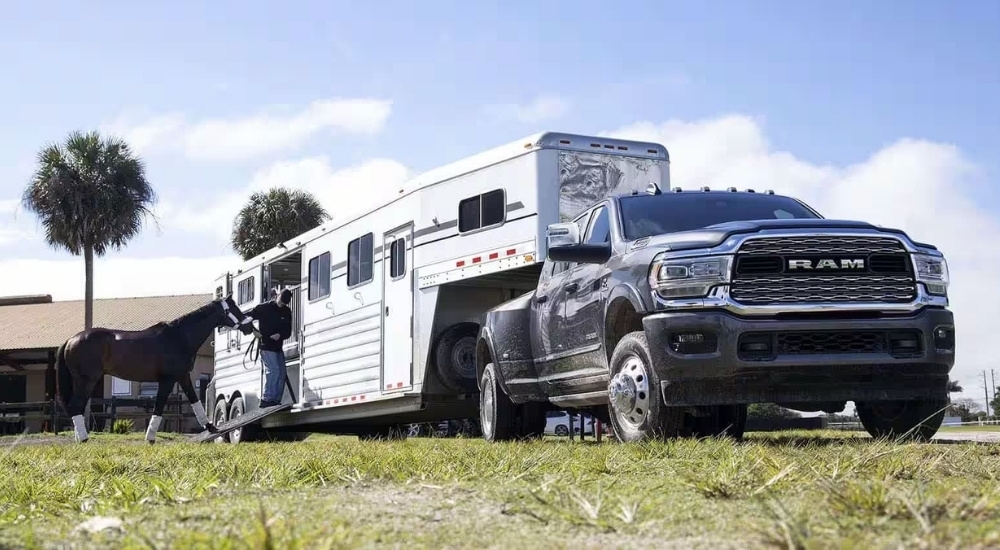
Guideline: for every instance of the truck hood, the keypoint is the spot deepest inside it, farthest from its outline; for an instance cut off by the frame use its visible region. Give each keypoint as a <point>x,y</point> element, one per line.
<point>714,235</point>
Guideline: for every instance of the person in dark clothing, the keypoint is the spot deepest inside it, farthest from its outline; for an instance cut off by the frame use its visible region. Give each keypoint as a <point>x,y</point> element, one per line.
<point>275,326</point>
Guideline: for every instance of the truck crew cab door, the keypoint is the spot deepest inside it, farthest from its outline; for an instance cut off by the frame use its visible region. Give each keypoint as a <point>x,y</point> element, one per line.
<point>585,294</point>
<point>546,316</point>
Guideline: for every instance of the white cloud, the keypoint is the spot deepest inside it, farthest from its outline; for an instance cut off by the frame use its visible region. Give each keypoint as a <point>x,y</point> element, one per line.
<point>930,190</point>
<point>242,138</point>
<point>114,277</point>
<point>542,108</point>
<point>339,191</point>
<point>8,206</point>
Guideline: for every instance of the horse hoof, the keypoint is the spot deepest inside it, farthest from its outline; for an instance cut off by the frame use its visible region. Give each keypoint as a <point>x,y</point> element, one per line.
<point>150,441</point>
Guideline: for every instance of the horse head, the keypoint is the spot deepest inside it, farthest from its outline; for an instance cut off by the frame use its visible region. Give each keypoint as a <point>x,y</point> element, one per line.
<point>230,313</point>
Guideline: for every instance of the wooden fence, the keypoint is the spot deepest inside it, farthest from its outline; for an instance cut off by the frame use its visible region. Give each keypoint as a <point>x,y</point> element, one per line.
<point>49,416</point>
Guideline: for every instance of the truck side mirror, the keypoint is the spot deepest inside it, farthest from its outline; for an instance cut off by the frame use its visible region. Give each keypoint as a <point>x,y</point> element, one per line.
<point>562,234</point>
<point>581,253</point>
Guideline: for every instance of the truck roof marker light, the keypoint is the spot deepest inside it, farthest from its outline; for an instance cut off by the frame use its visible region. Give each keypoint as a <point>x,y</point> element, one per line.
<point>769,192</point>
<point>750,191</point>
<point>676,189</point>
<point>731,189</point>
<point>705,189</point>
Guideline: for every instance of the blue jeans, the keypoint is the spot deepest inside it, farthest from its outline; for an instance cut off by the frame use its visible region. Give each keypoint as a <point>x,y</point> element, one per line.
<point>274,375</point>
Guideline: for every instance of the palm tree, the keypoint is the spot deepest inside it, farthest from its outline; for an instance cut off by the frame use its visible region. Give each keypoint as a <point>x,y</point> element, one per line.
<point>91,194</point>
<point>274,217</point>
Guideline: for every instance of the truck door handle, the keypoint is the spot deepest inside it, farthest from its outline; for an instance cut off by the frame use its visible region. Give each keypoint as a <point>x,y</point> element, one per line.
<point>571,287</point>
<point>542,299</point>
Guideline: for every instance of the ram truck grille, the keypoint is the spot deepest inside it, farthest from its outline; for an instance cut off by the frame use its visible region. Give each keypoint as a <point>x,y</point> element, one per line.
<point>822,269</point>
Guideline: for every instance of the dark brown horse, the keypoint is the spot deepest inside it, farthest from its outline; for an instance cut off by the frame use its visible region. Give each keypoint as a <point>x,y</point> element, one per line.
<point>163,353</point>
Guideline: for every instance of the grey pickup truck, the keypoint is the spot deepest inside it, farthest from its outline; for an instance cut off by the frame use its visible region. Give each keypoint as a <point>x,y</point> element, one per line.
<point>666,313</point>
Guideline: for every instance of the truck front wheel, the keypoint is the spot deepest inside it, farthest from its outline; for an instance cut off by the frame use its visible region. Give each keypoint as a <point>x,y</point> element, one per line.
<point>637,410</point>
<point>914,419</point>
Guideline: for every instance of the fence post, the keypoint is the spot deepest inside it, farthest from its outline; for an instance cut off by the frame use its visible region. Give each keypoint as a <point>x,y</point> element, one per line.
<point>54,417</point>
<point>114,412</point>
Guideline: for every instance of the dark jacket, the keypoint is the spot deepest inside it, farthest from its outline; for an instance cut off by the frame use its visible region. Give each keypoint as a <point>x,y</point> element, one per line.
<point>272,319</point>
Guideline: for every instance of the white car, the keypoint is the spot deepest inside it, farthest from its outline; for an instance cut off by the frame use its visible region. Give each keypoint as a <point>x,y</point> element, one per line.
<point>557,423</point>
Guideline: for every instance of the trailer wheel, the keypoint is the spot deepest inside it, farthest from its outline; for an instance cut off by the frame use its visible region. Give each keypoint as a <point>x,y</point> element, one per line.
<point>637,409</point>
<point>496,410</point>
<point>915,419</point>
<point>219,416</point>
<point>245,433</point>
<point>455,357</point>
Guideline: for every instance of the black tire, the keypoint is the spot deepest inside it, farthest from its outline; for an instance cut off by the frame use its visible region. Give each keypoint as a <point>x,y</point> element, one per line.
<point>637,410</point>
<point>531,420</point>
<point>220,415</point>
<point>455,357</point>
<point>562,429</point>
<point>497,413</point>
<point>723,421</point>
<point>246,433</point>
<point>901,420</point>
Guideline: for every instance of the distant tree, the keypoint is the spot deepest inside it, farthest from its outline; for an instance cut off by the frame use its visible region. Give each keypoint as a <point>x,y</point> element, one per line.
<point>90,194</point>
<point>954,387</point>
<point>967,409</point>
<point>769,410</point>
<point>274,217</point>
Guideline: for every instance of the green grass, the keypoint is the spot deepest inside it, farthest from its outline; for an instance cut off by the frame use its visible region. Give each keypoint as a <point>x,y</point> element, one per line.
<point>791,490</point>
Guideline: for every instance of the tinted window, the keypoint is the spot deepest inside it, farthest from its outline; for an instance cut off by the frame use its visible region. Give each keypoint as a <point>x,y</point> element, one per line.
<point>645,215</point>
<point>319,276</point>
<point>397,258</point>
<point>480,211</point>
<point>359,260</point>
<point>468,214</point>
<point>600,228</point>
<point>493,208</point>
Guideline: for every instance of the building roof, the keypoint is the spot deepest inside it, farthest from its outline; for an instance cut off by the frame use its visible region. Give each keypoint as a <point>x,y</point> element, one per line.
<point>48,325</point>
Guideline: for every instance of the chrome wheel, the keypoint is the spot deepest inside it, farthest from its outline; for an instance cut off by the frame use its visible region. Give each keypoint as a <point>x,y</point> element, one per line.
<point>486,409</point>
<point>628,392</point>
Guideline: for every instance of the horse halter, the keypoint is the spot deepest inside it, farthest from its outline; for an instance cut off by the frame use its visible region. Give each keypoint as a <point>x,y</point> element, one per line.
<point>226,310</point>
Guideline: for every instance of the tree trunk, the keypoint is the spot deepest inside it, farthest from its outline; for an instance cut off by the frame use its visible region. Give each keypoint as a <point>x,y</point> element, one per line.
<point>88,294</point>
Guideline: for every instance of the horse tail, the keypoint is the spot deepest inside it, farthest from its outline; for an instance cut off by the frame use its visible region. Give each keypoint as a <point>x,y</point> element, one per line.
<point>64,381</point>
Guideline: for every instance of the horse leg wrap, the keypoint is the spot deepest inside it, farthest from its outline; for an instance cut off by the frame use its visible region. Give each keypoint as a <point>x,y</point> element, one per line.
<point>80,429</point>
<point>199,413</point>
<point>154,424</point>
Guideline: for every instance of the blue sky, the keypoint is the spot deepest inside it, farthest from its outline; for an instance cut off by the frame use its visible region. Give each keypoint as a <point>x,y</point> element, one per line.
<point>812,98</point>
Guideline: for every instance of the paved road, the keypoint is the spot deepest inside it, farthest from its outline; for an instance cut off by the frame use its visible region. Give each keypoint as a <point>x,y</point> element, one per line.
<point>967,435</point>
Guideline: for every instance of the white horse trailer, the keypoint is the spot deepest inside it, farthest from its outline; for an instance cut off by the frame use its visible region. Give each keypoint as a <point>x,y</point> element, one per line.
<point>387,302</point>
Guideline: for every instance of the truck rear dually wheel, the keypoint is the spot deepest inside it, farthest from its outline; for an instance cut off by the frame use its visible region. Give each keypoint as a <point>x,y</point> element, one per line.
<point>914,419</point>
<point>500,418</point>
<point>637,410</point>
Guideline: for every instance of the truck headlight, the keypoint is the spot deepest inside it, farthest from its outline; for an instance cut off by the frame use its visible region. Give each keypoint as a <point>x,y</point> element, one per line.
<point>688,277</point>
<point>932,271</point>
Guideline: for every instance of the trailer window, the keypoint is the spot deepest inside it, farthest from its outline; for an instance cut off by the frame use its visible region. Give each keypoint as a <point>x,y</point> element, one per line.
<point>245,291</point>
<point>481,211</point>
<point>397,258</point>
<point>319,276</point>
<point>359,260</point>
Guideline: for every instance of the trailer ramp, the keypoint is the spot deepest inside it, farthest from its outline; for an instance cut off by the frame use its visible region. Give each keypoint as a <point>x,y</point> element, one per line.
<point>244,420</point>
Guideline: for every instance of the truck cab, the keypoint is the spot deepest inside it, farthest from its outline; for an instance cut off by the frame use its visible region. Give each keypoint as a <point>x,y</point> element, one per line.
<point>667,312</point>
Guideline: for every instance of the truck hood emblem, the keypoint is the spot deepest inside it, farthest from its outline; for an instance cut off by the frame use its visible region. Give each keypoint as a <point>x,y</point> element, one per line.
<point>826,263</point>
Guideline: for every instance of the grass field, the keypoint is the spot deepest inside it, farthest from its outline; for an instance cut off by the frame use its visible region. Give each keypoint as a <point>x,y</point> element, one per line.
<point>792,490</point>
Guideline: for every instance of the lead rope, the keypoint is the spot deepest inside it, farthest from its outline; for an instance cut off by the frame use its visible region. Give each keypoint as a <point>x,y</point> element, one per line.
<point>253,348</point>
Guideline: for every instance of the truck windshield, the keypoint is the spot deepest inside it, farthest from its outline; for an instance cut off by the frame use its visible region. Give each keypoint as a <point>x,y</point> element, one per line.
<point>646,215</point>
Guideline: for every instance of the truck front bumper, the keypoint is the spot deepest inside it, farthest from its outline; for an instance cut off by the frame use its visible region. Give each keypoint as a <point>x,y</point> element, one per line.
<point>714,357</point>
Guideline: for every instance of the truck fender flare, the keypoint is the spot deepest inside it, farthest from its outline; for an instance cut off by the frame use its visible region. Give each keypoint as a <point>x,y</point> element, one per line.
<point>630,293</point>
<point>486,340</point>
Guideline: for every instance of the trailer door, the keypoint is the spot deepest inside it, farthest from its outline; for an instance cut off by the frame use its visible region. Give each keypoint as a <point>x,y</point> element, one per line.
<point>397,309</point>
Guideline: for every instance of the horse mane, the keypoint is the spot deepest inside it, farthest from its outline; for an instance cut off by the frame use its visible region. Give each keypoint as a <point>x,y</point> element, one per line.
<point>191,317</point>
